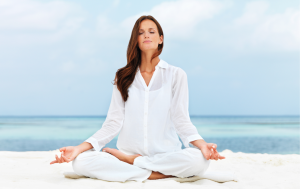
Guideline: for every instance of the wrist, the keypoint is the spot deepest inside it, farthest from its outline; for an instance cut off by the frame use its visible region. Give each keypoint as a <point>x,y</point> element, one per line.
<point>198,143</point>
<point>78,149</point>
<point>84,147</point>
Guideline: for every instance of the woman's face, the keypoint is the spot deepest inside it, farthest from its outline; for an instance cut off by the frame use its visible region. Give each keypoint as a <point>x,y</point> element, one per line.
<point>149,38</point>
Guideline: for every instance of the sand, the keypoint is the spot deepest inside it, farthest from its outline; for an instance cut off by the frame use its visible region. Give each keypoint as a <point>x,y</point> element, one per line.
<point>256,171</point>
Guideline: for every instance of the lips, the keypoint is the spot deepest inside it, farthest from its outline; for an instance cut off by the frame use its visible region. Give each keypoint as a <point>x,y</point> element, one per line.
<point>147,41</point>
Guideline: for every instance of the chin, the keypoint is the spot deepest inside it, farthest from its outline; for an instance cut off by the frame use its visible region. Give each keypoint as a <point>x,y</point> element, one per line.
<point>148,49</point>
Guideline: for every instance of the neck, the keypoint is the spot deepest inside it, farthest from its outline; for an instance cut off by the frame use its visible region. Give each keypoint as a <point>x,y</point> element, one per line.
<point>146,64</point>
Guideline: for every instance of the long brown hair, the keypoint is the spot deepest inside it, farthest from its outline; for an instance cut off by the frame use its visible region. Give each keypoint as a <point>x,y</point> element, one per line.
<point>125,76</point>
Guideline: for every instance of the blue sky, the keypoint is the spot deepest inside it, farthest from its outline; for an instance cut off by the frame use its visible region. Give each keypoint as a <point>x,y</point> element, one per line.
<point>60,57</point>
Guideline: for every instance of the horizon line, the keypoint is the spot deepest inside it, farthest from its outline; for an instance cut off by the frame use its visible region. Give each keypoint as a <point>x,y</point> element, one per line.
<point>270,115</point>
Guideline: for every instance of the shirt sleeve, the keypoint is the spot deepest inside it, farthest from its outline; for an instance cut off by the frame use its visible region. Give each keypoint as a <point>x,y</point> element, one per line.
<point>112,124</point>
<point>179,109</point>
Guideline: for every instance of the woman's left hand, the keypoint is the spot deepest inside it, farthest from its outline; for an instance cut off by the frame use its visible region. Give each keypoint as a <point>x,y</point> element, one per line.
<point>209,151</point>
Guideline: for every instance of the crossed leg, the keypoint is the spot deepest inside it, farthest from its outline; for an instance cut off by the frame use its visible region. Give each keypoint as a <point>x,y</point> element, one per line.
<point>113,165</point>
<point>130,159</point>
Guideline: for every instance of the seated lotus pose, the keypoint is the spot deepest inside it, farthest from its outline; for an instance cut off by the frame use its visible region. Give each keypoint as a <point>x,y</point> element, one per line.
<point>148,108</point>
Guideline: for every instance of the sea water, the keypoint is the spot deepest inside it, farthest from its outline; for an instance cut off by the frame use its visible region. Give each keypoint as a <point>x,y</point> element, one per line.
<point>249,134</point>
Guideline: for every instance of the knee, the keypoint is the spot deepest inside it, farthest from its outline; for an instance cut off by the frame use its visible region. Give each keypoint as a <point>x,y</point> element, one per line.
<point>202,164</point>
<point>199,163</point>
<point>80,163</point>
<point>87,161</point>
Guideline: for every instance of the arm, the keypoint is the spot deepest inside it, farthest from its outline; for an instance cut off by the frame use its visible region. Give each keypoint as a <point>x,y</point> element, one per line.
<point>84,147</point>
<point>179,110</point>
<point>110,128</point>
<point>180,116</point>
<point>112,124</point>
<point>198,143</point>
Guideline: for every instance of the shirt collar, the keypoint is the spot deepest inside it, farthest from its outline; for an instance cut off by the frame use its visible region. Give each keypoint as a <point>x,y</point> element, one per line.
<point>161,64</point>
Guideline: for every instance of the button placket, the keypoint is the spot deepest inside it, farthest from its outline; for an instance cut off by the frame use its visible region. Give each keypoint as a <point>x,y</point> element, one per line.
<point>145,120</point>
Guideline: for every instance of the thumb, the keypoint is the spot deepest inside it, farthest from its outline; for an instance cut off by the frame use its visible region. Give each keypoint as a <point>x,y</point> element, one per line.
<point>62,149</point>
<point>206,153</point>
<point>207,156</point>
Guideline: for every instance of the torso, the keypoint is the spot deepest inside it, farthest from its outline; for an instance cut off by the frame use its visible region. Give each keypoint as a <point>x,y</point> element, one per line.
<point>147,128</point>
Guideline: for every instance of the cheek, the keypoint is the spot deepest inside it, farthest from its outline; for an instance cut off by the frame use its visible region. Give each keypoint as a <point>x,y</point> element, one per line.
<point>140,39</point>
<point>155,39</point>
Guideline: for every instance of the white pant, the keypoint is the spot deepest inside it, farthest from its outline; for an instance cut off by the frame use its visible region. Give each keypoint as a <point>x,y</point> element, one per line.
<point>102,165</point>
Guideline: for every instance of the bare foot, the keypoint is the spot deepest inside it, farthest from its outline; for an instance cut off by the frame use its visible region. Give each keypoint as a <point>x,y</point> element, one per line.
<point>121,156</point>
<point>157,175</point>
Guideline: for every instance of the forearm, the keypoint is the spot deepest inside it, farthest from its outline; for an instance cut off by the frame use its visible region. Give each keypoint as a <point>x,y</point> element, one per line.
<point>84,146</point>
<point>198,143</point>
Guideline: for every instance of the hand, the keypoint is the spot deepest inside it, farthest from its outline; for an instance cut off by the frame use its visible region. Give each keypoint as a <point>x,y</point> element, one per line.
<point>68,154</point>
<point>209,151</point>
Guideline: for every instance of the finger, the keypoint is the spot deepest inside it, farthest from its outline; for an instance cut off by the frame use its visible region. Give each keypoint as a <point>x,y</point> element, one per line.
<point>214,146</point>
<point>210,145</point>
<point>65,159</point>
<point>62,149</point>
<point>209,156</point>
<point>52,162</point>
<point>219,156</point>
<point>62,159</point>
<point>212,154</point>
<point>216,153</point>
<point>57,158</point>
<point>206,155</point>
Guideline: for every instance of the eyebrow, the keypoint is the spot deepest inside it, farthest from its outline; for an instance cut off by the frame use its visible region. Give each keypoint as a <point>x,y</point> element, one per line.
<point>149,28</point>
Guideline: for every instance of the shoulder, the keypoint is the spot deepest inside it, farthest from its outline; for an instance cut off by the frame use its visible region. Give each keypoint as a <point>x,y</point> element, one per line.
<point>177,74</point>
<point>175,70</point>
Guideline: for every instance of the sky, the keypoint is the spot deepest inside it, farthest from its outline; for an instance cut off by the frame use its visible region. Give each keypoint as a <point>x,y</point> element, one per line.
<point>60,57</point>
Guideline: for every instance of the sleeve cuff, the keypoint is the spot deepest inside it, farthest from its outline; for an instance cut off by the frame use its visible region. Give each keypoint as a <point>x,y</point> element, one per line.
<point>94,143</point>
<point>191,138</point>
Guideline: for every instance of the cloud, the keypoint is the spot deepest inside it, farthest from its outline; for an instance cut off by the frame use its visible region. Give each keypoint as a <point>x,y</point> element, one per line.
<point>29,20</point>
<point>88,68</point>
<point>179,18</point>
<point>116,3</point>
<point>252,13</point>
<point>257,29</point>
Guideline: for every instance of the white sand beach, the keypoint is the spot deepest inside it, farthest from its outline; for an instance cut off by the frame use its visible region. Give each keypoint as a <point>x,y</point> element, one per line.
<point>256,171</point>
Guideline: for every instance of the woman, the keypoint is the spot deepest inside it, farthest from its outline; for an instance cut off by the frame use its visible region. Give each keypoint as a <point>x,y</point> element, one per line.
<point>149,107</point>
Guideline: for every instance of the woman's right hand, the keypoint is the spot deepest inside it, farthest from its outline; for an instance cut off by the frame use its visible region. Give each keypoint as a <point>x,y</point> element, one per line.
<point>68,154</point>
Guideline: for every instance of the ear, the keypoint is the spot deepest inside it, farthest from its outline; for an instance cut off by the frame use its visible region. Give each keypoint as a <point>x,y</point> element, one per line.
<point>161,39</point>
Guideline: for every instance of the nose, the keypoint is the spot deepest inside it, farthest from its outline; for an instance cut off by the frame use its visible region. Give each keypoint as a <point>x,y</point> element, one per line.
<point>146,34</point>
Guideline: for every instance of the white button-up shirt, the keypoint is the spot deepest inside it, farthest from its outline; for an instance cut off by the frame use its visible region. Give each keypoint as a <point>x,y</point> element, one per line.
<point>152,116</point>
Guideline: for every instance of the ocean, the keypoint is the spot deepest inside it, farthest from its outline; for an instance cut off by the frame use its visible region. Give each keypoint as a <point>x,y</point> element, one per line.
<point>249,134</point>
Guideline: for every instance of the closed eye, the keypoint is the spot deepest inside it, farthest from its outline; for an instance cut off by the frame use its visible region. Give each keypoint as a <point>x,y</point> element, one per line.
<point>150,32</point>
